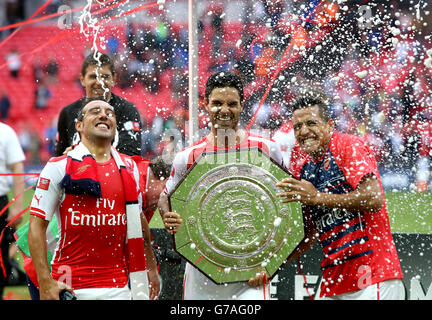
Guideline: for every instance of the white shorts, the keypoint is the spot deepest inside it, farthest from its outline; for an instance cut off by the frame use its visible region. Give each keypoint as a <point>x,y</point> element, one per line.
<point>196,286</point>
<point>103,294</point>
<point>387,290</point>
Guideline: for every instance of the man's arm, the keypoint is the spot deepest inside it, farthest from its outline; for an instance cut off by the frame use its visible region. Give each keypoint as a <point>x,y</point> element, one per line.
<point>154,282</point>
<point>172,220</point>
<point>154,190</point>
<point>367,197</point>
<point>48,287</point>
<point>18,188</point>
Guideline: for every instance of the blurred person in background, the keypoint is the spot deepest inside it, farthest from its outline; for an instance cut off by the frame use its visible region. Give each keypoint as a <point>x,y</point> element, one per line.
<point>11,158</point>
<point>98,77</point>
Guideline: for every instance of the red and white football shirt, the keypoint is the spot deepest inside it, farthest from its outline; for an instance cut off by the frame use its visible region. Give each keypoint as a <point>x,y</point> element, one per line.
<point>91,250</point>
<point>358,247</point>
<point>196,285</point>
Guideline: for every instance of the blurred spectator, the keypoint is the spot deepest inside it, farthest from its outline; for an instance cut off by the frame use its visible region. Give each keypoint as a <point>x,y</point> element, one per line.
<point>246,68</point>
<point>164,43</point>
<point>179,53</point>
<point>265,63</point>
<point>35,149</point>
<point>179,84</point>
<point>11,160</point>
<point>4,105</point>
<point>53,6</point>
<point>217,28</point>
<point>148,140</point>
<point>43,94</point>
<point>52,70</point>
<point>14,62</point>
<point>273,10</point>
<point>38,70</point>
<point>50,134</point>
<point>14,12</point>
<point>31,144</point>
<point>150,71</point>
<point>112,45</point>
<point>124,79</point>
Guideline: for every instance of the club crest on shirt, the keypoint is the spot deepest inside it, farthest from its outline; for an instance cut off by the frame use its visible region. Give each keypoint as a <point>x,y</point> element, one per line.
<point>132,125</point>
<point>43,183</point>
<point>83,168</point>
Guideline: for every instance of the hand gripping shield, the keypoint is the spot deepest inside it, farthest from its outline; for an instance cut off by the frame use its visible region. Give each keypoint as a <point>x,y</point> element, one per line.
<point>234,226</point>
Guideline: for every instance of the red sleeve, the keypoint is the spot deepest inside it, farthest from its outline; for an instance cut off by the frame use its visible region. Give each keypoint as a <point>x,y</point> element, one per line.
<point>298,159</point>
<point>353,157</point>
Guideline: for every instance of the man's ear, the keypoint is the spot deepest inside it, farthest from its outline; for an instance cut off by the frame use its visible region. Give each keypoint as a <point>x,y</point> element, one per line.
<point>206,106</point>
<point>331,124</point>
<point>79,126</point>
<point>81,78</point>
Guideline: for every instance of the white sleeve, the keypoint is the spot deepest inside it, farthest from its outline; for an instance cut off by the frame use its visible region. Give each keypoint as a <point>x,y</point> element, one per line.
<point>48,193</point>
<point>286,142</point>
<point>178,171</point>
<point>14,151</point>
<point>275,152</point>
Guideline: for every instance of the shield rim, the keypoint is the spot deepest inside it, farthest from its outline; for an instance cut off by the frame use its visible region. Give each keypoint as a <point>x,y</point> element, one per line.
<point>197,160</point>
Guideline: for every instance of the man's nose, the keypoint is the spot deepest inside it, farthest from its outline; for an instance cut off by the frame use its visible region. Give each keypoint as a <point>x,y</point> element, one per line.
<point>224,108</point>
<point>303,130</point>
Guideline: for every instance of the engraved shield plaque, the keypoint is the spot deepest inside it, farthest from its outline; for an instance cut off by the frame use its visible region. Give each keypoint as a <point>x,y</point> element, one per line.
<point>234,226</point>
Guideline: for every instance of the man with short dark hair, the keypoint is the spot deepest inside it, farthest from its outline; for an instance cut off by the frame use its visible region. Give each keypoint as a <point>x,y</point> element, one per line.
<point>224,103</point>
<point>343,207</point>
<point>94,192</point>
<point>98,78</point>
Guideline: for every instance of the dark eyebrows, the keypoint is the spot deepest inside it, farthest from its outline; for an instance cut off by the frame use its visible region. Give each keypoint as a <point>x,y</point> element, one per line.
<point>298,125</point>
<point>215,101</point>
<point>230,103</point>
<point>102,75</point>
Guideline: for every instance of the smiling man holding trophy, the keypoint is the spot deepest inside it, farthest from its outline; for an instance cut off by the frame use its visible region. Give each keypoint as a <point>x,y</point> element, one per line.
<point>220,204</point>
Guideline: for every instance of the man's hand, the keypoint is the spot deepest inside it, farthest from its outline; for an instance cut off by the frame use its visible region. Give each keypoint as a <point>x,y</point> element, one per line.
<point>298,190</point>
<point>367,196</point>
<point>154,284</point>
<point>50,289</point>
<point>259,280</point>
<point>172,221</point>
